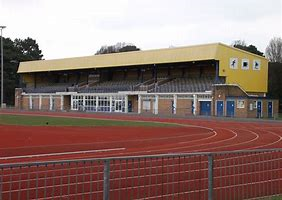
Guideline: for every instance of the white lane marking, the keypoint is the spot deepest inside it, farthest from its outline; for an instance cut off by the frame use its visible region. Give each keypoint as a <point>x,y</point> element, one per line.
<point>230,145</point>
<point>62,153</point>
<point>269,144</point>
<point>213,135</point>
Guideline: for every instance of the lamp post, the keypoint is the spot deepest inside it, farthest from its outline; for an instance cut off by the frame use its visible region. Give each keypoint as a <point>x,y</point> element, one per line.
<point>2,69</point>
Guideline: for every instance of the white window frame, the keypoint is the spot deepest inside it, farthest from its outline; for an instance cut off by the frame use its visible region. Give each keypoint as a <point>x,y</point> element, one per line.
<point>254,63</point>
<point>240,103</point>
<point>146,105</point>
<point>242,66</point>
<point>236,63</point>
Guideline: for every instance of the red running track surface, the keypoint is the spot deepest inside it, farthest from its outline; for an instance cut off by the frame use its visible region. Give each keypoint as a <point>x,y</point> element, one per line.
<point>195,135</point>
<point>236,177</point>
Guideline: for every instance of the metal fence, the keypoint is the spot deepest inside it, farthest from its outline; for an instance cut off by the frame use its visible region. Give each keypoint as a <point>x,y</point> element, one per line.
<point>219,175</point>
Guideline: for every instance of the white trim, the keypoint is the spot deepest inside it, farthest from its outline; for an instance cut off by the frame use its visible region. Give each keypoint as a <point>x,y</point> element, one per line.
<point>50,103</point>
<point>194,104</point>
<point>156,107</point>
<point>62,102</point>
<point>40,102</point>
<point>72,102</point>
<point>174,103</point>
<point>139,103</point>
<point>111,104</point>
<point>30,102</point>
<point>97,103</point>
<point>120,94</point>
<point>83,102</point>
<point>126,104</point>
<point>200,99</point>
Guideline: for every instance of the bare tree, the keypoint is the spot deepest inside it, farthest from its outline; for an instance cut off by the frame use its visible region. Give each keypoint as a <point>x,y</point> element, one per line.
<point>241,44</point>
<point>118,47</point>
<point>274,50</point>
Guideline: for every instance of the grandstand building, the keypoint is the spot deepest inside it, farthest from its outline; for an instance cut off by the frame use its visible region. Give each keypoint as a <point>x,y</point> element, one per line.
<point>211,79</point>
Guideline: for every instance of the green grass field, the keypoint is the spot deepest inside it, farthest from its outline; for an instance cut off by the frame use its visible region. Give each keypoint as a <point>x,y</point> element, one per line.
<point>64,121</point>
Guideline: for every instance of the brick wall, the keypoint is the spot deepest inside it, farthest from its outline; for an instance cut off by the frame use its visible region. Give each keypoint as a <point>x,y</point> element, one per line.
<point>35,102</point>
<point>165,106</point>
<point>67,102</point>
<point>184,107</point>
<point>275,108</point>
<point>241,112</point>
<point>25,102</point>
<point>57,102</point>
<point>18,98</point>
<point>45,105</point>
<point>134,101</point>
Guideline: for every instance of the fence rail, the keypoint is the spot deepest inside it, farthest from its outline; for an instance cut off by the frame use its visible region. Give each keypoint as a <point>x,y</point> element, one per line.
<point>218,175</point>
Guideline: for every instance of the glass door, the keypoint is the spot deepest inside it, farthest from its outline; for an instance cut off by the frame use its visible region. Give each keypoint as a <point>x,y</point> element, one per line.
<point>118,105</point>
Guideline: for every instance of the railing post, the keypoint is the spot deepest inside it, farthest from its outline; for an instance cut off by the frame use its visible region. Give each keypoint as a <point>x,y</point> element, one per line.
<point>1,187</point>
<point>106,183</point>
<point>210,177</point>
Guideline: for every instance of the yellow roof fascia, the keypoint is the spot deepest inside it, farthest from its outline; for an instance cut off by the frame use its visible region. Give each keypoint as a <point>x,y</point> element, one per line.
<point>159,56</point>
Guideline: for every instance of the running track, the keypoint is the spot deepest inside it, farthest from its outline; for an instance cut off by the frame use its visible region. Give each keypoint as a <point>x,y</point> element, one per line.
<point>196,135</point>
<point>19,143</point>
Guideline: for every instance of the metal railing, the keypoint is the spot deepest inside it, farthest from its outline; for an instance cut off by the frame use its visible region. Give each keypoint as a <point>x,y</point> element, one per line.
<point>220,175</point>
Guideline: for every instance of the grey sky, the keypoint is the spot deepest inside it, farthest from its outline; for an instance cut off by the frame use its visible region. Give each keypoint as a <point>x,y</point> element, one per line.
<point>69,28</point>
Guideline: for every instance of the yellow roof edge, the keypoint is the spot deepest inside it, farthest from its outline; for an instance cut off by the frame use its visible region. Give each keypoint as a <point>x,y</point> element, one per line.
<point>237,49</point>
<point>129,52</point>
<point>90,67</point>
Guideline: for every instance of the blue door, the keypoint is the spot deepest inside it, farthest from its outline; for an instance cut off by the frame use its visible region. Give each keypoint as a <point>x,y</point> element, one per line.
<point>219,108</point>
<point>230,108</point>
<point>259,109</point>
<point>269,109</point>
<point>205,108</point>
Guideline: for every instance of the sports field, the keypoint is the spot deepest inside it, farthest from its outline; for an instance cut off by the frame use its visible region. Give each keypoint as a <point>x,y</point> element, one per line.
<point>29,133</point>
<point>28,120</point>
<point>35,136</point>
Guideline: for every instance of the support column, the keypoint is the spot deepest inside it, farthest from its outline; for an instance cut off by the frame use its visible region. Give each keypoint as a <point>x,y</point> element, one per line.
<point>111,104</point>
<point>97,102</point>
<point>210,177</point>
<point>139,103</point>
<point>174,103</point>
<point>71,102</point>
<point>83,103</point>
<point>156,104</point>
<point>50,103</point>
<point>126,104</point>
<point>30,102</point>
<point>40,102</point>
<point>62,102</point>
<point>195,104</point>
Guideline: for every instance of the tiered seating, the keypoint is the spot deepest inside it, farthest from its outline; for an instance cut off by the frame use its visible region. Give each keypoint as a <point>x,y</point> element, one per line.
<point>111,86</point>
<point>186,85</point>
<point>48,88</point>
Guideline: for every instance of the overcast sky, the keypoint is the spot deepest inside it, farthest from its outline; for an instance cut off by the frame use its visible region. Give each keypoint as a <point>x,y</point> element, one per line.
<point>70,28</point>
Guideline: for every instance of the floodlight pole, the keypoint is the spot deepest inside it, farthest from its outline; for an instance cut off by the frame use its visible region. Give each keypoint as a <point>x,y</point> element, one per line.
<point>2,69</point>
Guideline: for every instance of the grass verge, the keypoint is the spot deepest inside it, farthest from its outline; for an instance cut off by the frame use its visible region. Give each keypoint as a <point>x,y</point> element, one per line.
<point>27,120</point>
